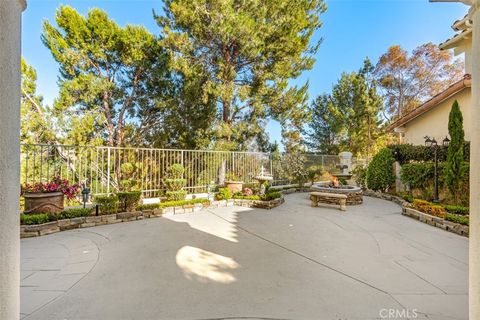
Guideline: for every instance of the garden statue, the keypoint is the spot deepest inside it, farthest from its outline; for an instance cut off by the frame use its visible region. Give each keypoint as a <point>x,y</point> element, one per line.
<point>263,177</point>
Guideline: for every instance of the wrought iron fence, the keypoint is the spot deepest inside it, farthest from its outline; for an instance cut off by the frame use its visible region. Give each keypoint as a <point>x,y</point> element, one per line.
<point>105,169</point>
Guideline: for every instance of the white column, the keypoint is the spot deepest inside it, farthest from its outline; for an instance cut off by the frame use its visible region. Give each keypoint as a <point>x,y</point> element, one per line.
<point>474,250</point>
<point>10,31</point>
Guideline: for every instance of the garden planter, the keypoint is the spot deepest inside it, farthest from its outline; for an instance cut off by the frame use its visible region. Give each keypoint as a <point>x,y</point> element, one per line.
<point>43,202</point>
<point>234,186</point>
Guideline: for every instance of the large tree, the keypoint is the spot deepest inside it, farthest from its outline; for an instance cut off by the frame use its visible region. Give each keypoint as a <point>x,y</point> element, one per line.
<point>185,123</point>
<point>36,124</point>
<point>247,51</point>
<point>323,132</point>
<point>107,72</point>
<point>407,80</point>
<point>348,118</point>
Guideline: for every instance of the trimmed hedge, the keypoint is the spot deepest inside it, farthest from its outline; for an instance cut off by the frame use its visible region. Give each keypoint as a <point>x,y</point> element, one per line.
<point>175,183</point>
<point>129,200</point>
<point>459,210</point>
<point>39,218</point>
<point>420,178</point>
<point>176,195</point>
<point>107,204</point>
<point>380,175</point>
<point>405,153</point>
<point>244,197</point>
<point>149,206</point>
<point>180,203</point>
<point>272,195</point>
<point>74,213</point>
<point>465,220</point>
<point>167,204</point>
<point>419,175</point>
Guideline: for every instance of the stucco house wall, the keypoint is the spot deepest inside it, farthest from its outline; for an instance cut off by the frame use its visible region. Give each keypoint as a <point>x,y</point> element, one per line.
<point>434,123</point>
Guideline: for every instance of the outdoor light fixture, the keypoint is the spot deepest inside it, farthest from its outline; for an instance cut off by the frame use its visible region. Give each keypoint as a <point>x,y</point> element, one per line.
<point>446,142</point>
<point>85,194</point>
<point>431,142</point>
<point>428,141</point>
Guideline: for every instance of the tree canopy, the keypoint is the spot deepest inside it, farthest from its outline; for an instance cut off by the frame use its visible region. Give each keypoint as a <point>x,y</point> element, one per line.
<point>247,51</point>
<point>108,73</point>
<point>36,126</point>
<point>348,118</point>
<point>408,80</point>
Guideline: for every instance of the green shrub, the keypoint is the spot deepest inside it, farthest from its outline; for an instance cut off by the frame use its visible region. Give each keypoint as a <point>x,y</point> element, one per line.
<point>223,194</point>
<point>231,176</point>
<point>420,178</point>
<point>465,220</point>
<point>419,175</point>
<point>74,213</point>
<point>107,204</point>
<point>380,175</point>
<point>239,195</point>
<point>272,195</point>
<point>459,210</point>
<point>180,203</point>
<point>314,172</point>
<point>149,206</point>
<point>175,171</point>
<point>408,198</point>
<point>176,195</point>
<point>405,153</point>
<point>175,182</point>
<point>128,201</point>
<point>360,176</point>
<point>128,172</point>
<point>39,218</point>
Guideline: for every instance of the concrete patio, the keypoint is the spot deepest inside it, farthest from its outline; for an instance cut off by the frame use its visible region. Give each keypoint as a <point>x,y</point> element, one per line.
<point>292,262</point>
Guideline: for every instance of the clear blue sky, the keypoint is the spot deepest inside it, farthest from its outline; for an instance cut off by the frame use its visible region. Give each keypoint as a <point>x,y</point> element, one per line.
<point>352,30</point>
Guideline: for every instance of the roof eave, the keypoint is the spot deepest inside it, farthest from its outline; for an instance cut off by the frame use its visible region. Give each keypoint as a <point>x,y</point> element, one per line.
<point>456,40</point>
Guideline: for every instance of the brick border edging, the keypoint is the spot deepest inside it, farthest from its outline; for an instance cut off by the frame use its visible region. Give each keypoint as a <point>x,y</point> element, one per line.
<point>28,231</point>
<point>421,216</point>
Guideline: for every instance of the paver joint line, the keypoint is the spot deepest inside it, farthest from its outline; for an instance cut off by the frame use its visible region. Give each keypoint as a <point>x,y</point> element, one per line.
<point>308,258</point>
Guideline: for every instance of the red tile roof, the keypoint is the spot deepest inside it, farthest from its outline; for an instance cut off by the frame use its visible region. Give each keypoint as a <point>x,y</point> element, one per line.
<point>430,104</point>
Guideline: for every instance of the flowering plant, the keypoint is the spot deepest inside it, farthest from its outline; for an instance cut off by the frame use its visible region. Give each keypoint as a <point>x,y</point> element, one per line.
<point>56,185</point>
<point>247,192</point>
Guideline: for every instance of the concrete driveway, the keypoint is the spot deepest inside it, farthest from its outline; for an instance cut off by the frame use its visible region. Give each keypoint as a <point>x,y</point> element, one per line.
<point>292,262</point>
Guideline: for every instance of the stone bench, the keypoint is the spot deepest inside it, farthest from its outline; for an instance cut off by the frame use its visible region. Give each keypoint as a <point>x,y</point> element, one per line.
<point>324,197</point>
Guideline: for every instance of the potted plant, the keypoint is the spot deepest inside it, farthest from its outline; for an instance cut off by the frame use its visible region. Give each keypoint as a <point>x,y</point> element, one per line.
<point>233,183</point>
<point>48,197</point>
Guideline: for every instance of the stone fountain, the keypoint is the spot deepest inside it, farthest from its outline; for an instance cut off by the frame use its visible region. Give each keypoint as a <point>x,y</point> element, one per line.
<point>262,177</point>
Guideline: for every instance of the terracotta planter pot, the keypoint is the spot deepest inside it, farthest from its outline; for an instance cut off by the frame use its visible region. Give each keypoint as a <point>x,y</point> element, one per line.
<point>234,186</point>
<point>43,202</point>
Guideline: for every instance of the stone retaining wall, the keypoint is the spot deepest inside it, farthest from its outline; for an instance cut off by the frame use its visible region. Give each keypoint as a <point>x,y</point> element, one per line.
<point>436,221</point>
<point>421,216</point>
<point>385,196</point>
<point>27,231</point>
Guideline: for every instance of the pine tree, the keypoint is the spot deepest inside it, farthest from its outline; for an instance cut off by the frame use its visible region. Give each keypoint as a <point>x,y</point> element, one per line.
<point>455,149</point>
<point>248,51</point>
